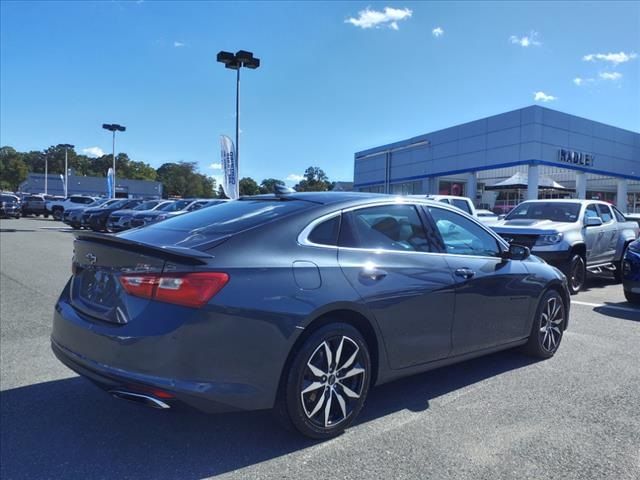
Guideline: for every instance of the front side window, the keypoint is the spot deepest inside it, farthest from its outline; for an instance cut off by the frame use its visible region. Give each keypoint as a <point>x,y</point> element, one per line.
<point>461,204</point>
<point>605,213</point>
<point>462,236</point>
<point>385,227</point>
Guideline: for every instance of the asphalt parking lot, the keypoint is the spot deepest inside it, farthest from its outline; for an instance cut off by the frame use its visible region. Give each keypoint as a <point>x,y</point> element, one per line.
<point>507,416</point>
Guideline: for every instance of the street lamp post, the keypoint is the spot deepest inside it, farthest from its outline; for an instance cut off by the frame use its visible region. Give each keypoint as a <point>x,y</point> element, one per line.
<point>66,147</point>
<point>236,61</point>
<point>113,128</point>
<point>46,173</point>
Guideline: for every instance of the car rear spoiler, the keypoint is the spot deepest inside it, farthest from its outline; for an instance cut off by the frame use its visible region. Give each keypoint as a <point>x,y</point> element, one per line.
<point>170,252</point>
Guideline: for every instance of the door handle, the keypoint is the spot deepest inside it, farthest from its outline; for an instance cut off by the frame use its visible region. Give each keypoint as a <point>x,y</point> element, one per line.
<point>465,273</point>
<point>373,273</point>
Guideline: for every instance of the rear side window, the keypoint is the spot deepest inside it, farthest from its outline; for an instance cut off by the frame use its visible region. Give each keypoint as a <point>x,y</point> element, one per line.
<point>326,233</point>
<point>231,217</point>
<point>387,227</point>
<point>461,204</point>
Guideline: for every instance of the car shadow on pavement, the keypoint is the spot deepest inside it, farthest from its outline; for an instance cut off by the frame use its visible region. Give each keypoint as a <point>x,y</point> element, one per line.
<point>623,311</point>
<point>596,282</point>
<point>70,429</point>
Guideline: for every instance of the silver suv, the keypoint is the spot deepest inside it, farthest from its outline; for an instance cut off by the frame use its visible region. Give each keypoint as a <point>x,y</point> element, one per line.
<point>574,235</point>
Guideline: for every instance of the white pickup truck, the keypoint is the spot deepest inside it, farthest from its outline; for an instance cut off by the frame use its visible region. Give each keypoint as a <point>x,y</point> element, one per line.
<point>57,207</point>
<point>463,203</point>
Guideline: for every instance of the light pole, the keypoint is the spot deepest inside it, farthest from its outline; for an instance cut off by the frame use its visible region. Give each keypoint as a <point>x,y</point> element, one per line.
<point>66,147</point>
<point>242,58</point>
<point>46,172</point>
<point>113,128</point>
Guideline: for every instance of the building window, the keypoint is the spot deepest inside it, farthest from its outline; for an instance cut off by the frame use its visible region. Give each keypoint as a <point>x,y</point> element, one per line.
<point>373,189</point>
<point>451,188</point>
<point>406,188</point>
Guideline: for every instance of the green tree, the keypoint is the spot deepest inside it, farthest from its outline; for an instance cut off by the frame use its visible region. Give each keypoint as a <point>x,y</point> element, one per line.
<point>315,180</point>
<point>248,186</point>
<point>13,169</point>
<point>268,185</point>
<point>182,179</point>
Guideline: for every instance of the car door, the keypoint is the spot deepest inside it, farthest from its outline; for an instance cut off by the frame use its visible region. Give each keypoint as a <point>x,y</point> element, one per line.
<point>592,235</point>
<point>608,240</point>
<point>403,279</point>
<point>493,297</point>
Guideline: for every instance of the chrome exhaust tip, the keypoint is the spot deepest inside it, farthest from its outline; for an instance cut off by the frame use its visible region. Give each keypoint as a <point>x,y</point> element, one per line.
<point>139,398</point>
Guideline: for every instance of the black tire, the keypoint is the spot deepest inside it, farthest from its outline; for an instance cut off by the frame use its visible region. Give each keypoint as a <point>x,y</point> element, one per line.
<point>57,213</point>
<point>332,406</point>
<point>617,273</point>
<point>632,297</point>
<point>548,326</point>
<point>46,215</point>
<point>576,273</point>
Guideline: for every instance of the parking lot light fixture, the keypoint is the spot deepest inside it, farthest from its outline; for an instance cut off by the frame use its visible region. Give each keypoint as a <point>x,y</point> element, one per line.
<point>66,147</point>
<point>242,58</point>
<point>113,128</point>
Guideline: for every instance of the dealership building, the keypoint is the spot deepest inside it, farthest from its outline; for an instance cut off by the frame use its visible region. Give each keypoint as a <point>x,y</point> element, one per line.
<point>93,186</point>
<point>499,161</point>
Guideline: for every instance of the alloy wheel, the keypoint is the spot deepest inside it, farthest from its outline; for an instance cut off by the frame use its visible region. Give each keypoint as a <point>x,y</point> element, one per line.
<point>333,381</point>
<point>551,320</point>
<point>578,274</point>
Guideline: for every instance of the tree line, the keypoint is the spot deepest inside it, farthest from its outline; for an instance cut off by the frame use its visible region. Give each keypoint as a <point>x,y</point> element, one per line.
<point>178,178</point>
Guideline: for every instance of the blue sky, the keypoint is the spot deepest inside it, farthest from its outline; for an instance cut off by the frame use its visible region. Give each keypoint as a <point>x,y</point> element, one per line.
<point>336,77</point>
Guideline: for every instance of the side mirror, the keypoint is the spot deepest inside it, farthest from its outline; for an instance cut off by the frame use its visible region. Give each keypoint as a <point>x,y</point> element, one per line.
<point>501,216</point>
<point>516,252</point>
<point>592,222</point>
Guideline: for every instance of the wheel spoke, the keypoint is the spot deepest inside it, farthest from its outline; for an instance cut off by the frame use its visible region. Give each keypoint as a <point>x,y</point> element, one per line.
<point>318,406</point>
<point>351,359</point>
<point>314,386</point>
<point>543,328</point>
<point>328,354</point>
<point>555,329</point>
<point>327,409</point>
<point>342,403</point>
<point>315,370</point>
<point>354,371</point>
<point>348,392</point>
<point>339,353</point>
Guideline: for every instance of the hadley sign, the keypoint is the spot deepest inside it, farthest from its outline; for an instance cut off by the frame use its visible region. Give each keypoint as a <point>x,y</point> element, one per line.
<point>576,158</point>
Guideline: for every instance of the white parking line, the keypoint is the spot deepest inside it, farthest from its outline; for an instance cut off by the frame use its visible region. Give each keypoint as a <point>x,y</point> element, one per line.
<point>612,307</point>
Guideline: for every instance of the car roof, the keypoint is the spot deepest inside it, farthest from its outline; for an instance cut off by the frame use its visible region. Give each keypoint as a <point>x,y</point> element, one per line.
<point>565,200</point>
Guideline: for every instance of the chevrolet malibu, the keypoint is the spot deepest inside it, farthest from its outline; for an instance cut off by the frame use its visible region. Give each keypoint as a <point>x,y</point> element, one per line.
<point>299,302</point>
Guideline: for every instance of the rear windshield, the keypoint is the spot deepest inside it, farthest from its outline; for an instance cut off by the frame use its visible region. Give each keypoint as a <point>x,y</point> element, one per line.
<point>175,206</point>
<point>231,217</point>
<point>554,211</point>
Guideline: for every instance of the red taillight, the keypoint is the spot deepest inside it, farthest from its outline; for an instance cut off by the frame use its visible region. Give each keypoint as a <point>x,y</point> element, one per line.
<point>188,289</point>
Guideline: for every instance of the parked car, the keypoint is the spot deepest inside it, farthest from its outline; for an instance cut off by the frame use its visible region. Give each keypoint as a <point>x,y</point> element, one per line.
<point>161,213</point>
<point>96,218</point>
<point>191,207</point>
<point>575,235</point>
<point>121,219</point>
<point>487,216</point>
<point>9,206</point>
<point>631,273</point>
<point>73,216</point>
<point>57,207</point>
<point>463,203</point>
<point>300,302</point>
<point>34,205</point>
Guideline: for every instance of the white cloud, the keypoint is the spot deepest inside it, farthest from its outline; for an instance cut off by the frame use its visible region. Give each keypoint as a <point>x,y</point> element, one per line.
<point>390,17</point>
<point>216,166</point>
<point>93,151</point>
<point>526,40</point>
<point>578,81</point>
<point>437,32</point>
<point>294,178</point>
<point>614,58</point>
<point>178,44</point>
<point>610,76</point>
<point>543,97</point>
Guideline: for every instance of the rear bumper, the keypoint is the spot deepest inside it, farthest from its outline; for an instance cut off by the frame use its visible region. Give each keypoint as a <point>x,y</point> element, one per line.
<point>206,360</point>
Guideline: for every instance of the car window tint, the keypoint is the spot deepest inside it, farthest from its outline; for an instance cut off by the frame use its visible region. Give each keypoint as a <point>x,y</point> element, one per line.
<point>326,233</point>
<point>605,213</point>
<point>387,227</point>
<point>591,212</point>
<point>461,204</point>
<point>444,200</point>
<point>463,236</point>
